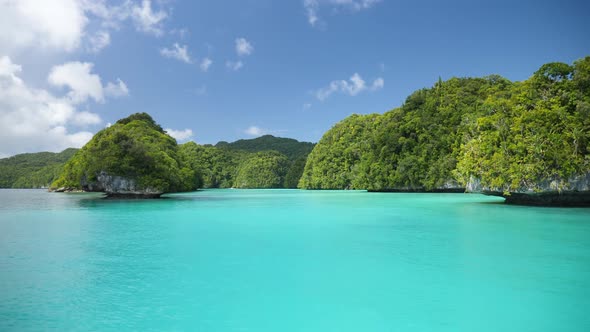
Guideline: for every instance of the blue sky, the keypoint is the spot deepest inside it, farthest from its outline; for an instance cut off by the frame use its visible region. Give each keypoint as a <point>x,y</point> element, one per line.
<point>225,70</point>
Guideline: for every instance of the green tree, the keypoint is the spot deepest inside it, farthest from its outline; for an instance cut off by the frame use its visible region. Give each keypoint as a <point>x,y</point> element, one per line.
<point>135,148</point>
<point>263,170</point>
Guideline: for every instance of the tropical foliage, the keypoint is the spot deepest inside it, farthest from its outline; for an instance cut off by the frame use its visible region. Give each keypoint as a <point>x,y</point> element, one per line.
<point>508,135</point>
<point>291,148</point>
<point>135,148</point>
<point>264,162</point>
<point>539,129</point>
<point>263,170</point>
<point>32,170</point>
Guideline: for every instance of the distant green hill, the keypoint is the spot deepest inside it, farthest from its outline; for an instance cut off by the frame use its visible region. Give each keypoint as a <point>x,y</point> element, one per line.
<point>291,148</point>
<point>263,162</point>
<point>32,170</point>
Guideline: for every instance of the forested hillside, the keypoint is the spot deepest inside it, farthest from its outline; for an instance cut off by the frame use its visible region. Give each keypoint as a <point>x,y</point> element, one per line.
<point>32,170</point>
<point>134,156</point>
<point>289,147</point>
<point>509,136</point>
<point>414,147</point>
<point>264,162</point>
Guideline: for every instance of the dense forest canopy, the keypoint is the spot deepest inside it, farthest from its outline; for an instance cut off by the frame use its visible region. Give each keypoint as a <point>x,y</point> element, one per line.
<point>263,162</point>
<point>291,148</point>
<point>506,135</point>
<point>32,170</point>
<point>135,148</point>
<point>535,132</point>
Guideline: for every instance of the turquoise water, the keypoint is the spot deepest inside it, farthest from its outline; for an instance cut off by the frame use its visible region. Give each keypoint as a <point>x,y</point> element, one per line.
<point>287,260</point>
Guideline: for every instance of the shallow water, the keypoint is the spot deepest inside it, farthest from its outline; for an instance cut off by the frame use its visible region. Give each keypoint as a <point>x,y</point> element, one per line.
<point>288,260</point>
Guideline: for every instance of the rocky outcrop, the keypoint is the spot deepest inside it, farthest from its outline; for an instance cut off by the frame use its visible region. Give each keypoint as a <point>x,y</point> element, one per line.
<point>574,191</point>
<point>119,187</point>
<point>66,190</point>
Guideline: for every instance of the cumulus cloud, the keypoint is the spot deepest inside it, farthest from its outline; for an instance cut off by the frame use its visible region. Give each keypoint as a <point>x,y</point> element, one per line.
<point>177,52</point>
<point>243,47</point>
<point>254,131</point>
<point>234,65</point>
<point>312,7</point>
<point>65,25</point>
<point>52,24</point>
<point>85,118</point>
<point>78,77</point>
<point>34,120</point>
<point>83,84</point>
<point>205,64</point>
<point>352,87</point>
<point>180,135</point>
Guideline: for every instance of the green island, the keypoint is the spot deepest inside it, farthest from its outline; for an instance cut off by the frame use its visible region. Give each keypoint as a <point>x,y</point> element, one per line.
<point>527,141</point>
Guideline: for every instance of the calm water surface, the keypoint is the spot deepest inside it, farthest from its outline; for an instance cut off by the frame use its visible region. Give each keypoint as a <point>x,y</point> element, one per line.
<point>287,260</point>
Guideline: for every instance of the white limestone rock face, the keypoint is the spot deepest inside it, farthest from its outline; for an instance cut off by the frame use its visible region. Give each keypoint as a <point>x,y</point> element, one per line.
<point>118,186</point>
<point>574,191</point>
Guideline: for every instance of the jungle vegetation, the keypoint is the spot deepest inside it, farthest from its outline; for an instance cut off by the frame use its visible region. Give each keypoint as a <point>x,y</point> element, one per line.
<point>508,135</point>
<point>32,170</point>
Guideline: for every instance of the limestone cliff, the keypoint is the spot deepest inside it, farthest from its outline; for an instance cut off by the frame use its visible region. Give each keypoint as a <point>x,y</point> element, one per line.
<point>119,186</point>
<point>574,191</point>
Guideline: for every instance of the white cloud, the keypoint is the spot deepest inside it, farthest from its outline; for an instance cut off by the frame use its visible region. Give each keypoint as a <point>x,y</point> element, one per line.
<point>352,87</point>
<point>177,52</point>
<point>98,41</point>
<point>312,7</point>
<point>118,89</point>
<point>148,20</point>
<point>307,106</point>
<point>180,135</point>
<point>34,120</point>
<point>205,64</point>
<point>65,25</point>
<point>234,65</point>
<point>7,68</point>
<point>50,24</point>
<point>78,77</point>
<point>85,118</point>
<point>243,47</point>
<point>254,131</point>
<point>84,84</point>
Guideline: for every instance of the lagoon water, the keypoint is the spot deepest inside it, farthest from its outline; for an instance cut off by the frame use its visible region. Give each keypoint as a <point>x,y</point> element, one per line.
<point>288,260</point>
